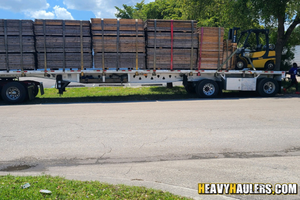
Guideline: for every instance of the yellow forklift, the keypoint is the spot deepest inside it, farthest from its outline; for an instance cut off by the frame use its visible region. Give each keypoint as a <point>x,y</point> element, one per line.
<point>254,50</point>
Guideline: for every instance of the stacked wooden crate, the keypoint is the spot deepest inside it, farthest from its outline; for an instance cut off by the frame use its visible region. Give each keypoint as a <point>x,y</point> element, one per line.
<point>118,43</point>
<point>16,45</point>
<point>171,44</point>
<point>63,44</point>
<point>228,49</point>
<point>210,47</point>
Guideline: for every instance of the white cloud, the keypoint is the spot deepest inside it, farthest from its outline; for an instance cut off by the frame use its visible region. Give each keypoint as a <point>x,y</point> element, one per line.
<point>24,6</point>
<point>40,14</point>
<point>89,5</point>
<point>101,8</point>
<point>62,13</point>
<point>98,14</point>
<point>58,13</point>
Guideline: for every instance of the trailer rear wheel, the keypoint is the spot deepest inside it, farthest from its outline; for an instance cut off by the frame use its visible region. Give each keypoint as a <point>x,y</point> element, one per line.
<point>13,92</point>
<point>267,87</point>
<point>207,89</point>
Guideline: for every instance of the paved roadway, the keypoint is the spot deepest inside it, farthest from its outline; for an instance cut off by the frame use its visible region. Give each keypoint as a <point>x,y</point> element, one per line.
<point>169,145</point>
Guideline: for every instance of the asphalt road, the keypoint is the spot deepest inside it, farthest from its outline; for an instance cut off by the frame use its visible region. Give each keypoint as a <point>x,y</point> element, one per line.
<point>168,145</point>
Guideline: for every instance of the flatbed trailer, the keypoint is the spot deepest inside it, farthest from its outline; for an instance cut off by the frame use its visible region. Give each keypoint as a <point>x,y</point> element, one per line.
<point>205,83</point>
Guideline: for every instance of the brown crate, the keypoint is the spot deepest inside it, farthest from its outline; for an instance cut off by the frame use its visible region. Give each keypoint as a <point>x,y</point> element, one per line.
<point>55,44</point>
<point>126,60</point>
<point>112,25</point>
<point>73,60</point>
<point>13,27</point>
<point>51,22</point>
<point>13,44</point>
<point>55,28</point>
<point>165,25</point>
<point>180,40</point>
<point>210,47</point>
<point>126,44</point>
<point>14,61</point>
<point>181,58</point>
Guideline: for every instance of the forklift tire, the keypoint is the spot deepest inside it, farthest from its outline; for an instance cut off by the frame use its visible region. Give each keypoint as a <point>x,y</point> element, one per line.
<point>190,88</point>
<point>267,87</point>
<point>269,65</point>
<point>240,64</point>
<point>13,92</point>
<point>207,89</point>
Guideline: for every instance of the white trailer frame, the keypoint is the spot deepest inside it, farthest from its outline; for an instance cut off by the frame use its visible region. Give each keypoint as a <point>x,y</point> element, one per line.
<point>213,81</point>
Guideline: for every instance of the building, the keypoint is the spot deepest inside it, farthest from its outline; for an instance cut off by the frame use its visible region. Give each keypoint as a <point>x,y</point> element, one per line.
<point>297,55</point>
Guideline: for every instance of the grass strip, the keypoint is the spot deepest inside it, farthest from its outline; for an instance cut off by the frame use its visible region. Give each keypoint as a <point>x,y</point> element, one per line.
<point>104,94</point>
<point>61,188</point>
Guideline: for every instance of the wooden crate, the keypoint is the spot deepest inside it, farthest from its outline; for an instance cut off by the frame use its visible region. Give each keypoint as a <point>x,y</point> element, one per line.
<point>210,47</point>
<point>55,44</point>
<point>165,25</point>
<point>55,28</point>
<point>180,40</point>
<point>127,27</point>
<point>56,60</point>
<point>126,44</point>
<point>14,61</point>
<point>228,49</point>
<point>181,58</point>
<point>121,60</point>
<point>13,44</point>
<point>16,27</point>
<point>119,41</point>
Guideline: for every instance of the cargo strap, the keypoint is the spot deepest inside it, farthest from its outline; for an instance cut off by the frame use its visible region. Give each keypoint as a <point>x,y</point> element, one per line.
<point>154,64</point>
<point>21,47</point>
<point>219,46</point>
<point>118,42</point>
<point>64,44</point>
<point>81,47</point>
<point>6,45</point>
<point>45,50</point>
<point>226,54</point>
<point>102,28</point>
<point>136,46</point>
<point>200,51</point>
<point>192,42</point>
<point>172,42</point>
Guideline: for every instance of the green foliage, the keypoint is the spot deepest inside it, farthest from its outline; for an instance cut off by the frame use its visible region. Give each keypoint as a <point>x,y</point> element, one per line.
<point>161,9</point>
<point>10,187</point>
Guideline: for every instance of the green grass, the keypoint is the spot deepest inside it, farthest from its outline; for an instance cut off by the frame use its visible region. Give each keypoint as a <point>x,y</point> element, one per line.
<point>98,94</point>
<point>112,91</point>
<point>10,188</point>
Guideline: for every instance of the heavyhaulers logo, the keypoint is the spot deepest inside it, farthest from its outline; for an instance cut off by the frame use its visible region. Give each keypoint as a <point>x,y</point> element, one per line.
<point>247,188</point>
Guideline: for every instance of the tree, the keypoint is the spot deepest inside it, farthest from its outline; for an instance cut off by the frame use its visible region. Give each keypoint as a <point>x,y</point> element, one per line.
<point>160,9</point>
<point>279,14</point>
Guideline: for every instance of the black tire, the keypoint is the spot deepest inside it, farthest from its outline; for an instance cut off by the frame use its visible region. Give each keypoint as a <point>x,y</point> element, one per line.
<point>267,87</point>
<point>269,65</point>
<point>13,93</point>
<point>207,89</point>
<point>190,88</point>
<point>240,64</point>
<point>35,90</point>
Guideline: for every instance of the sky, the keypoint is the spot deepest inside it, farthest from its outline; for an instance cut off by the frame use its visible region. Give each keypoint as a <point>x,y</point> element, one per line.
<point>61,9</point>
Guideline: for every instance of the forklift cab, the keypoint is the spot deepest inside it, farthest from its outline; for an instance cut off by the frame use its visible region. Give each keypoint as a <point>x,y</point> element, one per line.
<point>254,48</point>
